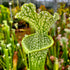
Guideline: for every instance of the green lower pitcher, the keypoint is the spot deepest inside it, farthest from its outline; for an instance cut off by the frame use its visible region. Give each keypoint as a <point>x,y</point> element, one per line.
<point>36,47</point>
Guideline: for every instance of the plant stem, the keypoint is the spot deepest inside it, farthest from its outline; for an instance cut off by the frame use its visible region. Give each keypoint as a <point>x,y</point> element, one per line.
<point>6,58</point>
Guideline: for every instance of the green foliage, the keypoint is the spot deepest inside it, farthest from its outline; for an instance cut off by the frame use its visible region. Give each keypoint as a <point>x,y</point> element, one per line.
<point>4,13</point>
<point>65,54</point>
<point>56,65</point>
<point>8,45</point>
<point>36,45</point>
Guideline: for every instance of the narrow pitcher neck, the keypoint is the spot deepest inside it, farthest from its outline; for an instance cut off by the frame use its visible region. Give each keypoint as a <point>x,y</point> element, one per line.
<point>42,33</point>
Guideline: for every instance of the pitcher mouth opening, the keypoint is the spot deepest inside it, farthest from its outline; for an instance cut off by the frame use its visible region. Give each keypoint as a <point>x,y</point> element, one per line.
<point>32,44</point>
